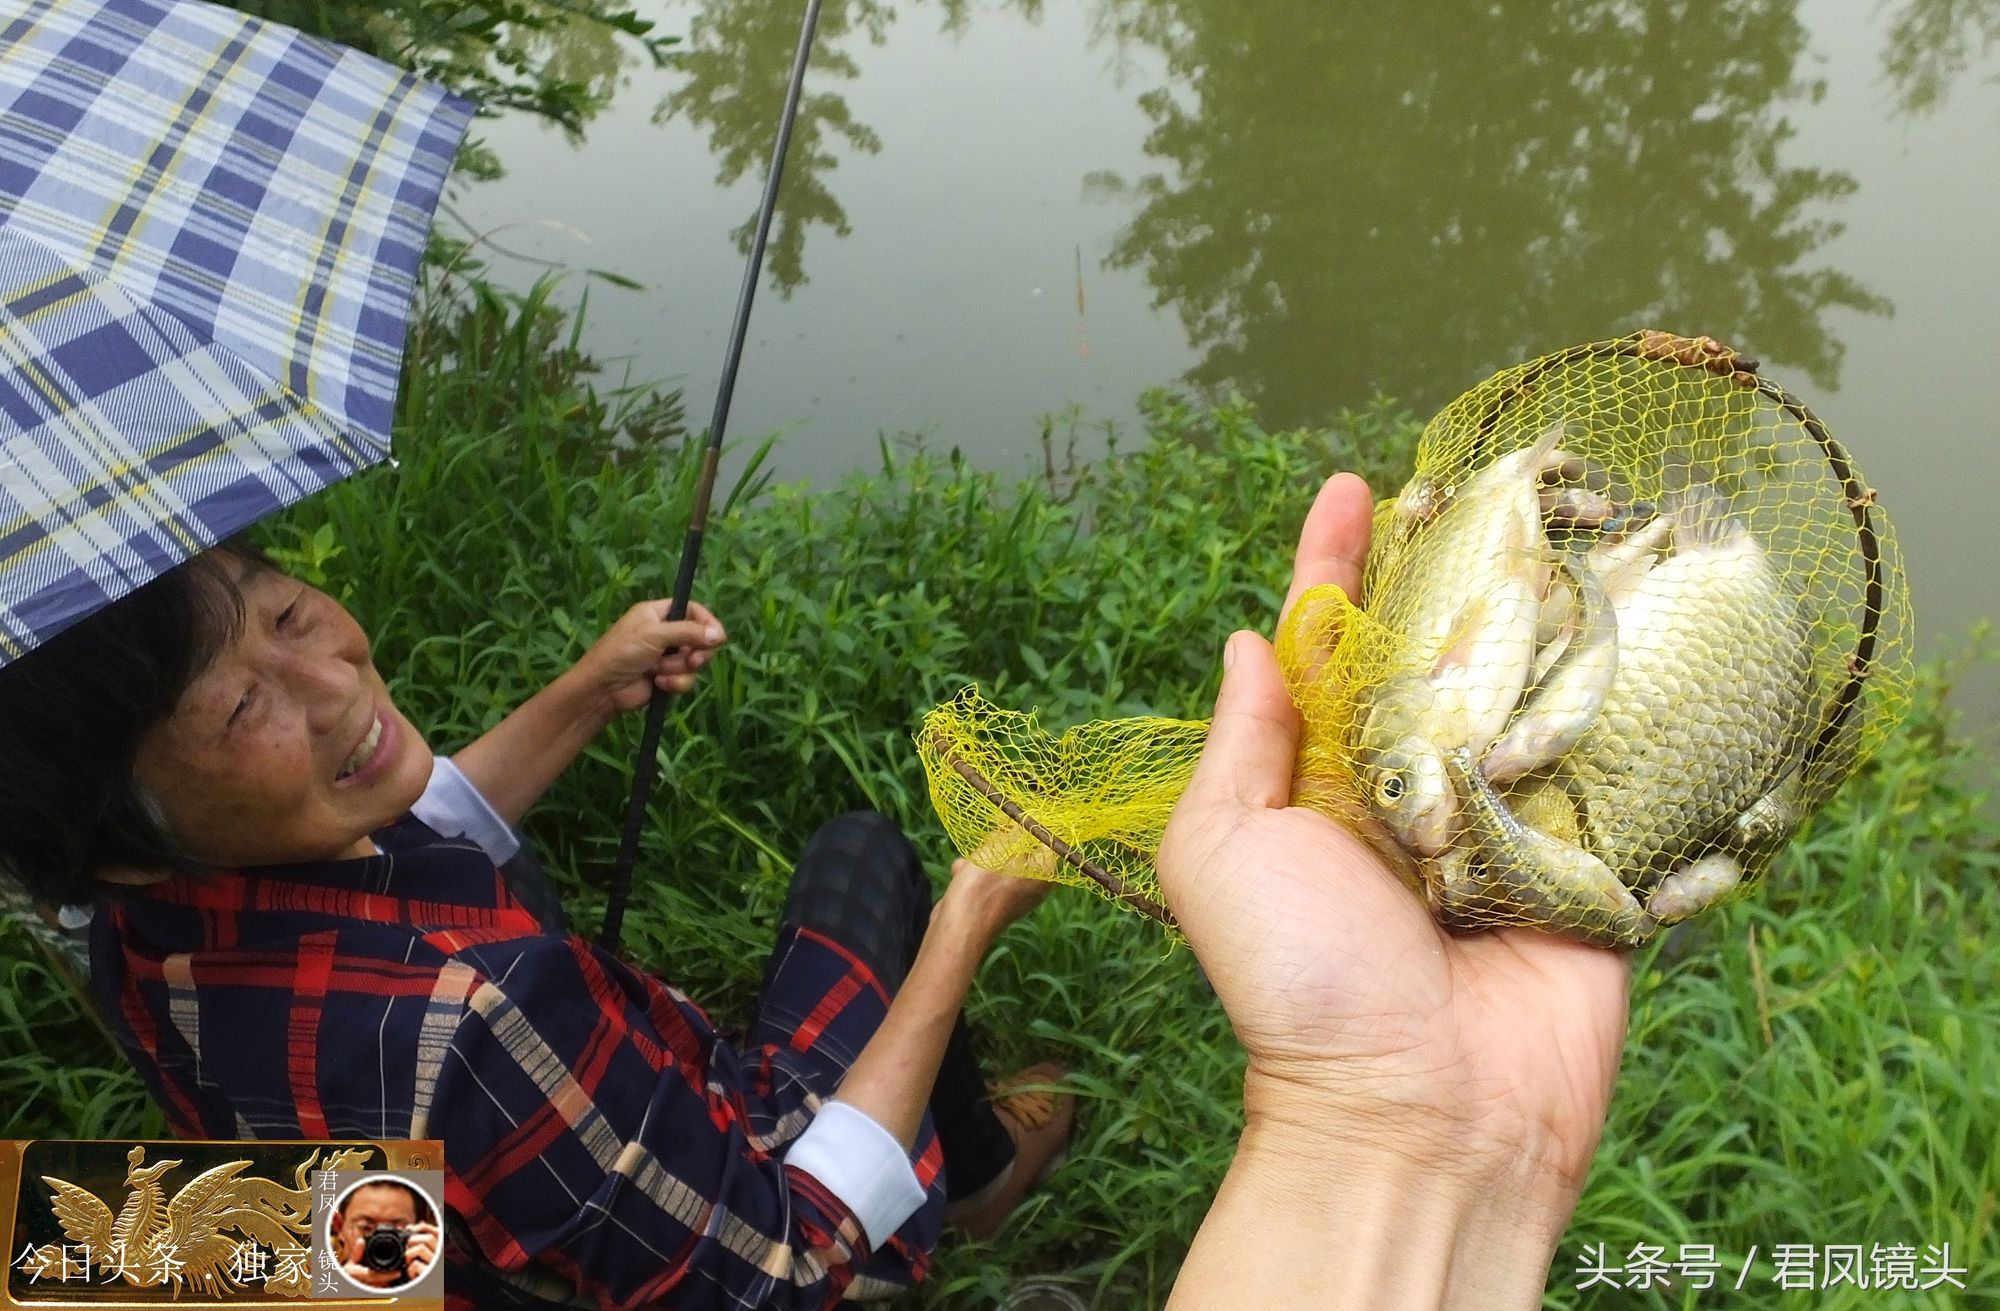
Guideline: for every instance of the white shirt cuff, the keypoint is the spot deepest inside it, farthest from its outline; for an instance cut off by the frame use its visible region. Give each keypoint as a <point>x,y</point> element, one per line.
<point>863,1165</point>
<point>454,808</point>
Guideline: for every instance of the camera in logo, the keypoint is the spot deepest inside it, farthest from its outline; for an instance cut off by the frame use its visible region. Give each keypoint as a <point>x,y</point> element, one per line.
<point>384,1232</point>
<point>383,1250</point>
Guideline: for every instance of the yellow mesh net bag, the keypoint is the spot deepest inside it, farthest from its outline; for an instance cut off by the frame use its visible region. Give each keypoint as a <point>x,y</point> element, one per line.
<point>1633,619</point>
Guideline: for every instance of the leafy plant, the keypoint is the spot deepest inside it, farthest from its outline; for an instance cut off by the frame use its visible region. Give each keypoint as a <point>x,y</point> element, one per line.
<point>556,58</point>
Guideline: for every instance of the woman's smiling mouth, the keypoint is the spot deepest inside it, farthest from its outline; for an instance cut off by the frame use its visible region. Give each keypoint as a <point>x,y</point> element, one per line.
<point>363,753</point>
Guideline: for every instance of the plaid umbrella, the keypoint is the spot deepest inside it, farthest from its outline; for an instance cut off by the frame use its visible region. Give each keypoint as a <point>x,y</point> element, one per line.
<point>210,228</point>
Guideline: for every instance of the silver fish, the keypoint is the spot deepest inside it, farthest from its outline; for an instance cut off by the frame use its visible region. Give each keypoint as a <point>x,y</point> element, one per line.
<point>1518,874</point>
<point>1436,586</point>
<point>1402,769</point>
<point>1464,593</point>
<point>1618,560</point>
<point>1567,695</point>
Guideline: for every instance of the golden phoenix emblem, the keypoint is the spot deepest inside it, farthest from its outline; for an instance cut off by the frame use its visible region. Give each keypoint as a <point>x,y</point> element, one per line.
<point>197,1238</point>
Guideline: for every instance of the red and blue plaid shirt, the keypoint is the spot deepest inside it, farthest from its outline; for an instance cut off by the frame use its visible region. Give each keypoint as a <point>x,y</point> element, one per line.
<point>603,1144</point>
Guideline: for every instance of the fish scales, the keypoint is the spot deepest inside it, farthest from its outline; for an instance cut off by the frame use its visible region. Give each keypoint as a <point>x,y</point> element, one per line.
<point>1707,709</point>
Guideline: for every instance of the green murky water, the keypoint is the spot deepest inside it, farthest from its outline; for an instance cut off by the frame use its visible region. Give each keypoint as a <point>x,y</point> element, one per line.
<point>999,212</point>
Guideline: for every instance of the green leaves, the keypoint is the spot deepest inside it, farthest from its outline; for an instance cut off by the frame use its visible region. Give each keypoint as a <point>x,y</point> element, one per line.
<point>557,58</point>
<point>304,555</point>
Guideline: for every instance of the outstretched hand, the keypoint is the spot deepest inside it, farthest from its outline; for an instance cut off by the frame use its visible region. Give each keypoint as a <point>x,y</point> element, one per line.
<point>515,761</point>
<point>1003,887</point>
<point>1361,1016</point>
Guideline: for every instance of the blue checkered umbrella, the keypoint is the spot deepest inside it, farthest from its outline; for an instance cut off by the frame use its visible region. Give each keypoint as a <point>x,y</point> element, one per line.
<point>210,228</point>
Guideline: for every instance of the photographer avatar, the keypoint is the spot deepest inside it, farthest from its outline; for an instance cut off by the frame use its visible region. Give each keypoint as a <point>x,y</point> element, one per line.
<point>385,1234</point>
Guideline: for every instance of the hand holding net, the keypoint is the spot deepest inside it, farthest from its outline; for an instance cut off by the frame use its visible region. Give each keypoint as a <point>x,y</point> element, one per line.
<point>1633,619</point>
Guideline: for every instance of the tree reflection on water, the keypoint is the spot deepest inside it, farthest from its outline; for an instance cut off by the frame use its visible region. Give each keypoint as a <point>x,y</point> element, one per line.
<point>1361,198</point>
<point>1932,42</point>
<point>1371,198</point>
<point>736,62</point>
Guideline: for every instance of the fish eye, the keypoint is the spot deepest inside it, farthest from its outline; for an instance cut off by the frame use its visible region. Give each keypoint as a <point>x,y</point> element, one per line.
<point>1390,790</point>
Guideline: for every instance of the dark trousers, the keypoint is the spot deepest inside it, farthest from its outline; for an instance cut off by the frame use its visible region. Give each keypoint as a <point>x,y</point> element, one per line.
<point>861,883</point>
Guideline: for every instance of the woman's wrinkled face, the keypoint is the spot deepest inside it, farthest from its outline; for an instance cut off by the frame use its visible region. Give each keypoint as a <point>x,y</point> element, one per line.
<point>286,748</point>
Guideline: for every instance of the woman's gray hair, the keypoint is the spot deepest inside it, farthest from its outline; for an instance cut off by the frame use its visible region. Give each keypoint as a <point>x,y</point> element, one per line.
<point>155,813</point>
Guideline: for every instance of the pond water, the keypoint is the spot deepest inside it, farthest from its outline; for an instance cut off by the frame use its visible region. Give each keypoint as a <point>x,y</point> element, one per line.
<point>999,212</point>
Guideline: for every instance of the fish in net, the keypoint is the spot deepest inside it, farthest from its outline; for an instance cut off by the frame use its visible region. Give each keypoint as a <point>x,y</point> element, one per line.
<point>1633,619</point>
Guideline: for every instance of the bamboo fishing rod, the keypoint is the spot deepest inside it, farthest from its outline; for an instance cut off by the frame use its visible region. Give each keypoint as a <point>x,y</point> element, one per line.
<point>647,765</point>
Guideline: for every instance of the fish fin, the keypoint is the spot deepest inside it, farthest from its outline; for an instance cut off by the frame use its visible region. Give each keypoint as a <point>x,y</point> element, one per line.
<point>1590,620</point>
<point>1695,886</point>
<point>1551,623</point>
<point>1701,518</point>
<point>1545,453</point>
<point>1621,563</point>
<point>1770,819</point>
<point>1457,649</point>
<point>1548,443</point>
<point>1475,615</point>
<point>1584,613</point>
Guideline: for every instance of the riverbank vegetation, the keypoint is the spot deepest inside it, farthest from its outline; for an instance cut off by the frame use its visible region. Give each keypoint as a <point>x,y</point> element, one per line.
<point>1814,1066</point>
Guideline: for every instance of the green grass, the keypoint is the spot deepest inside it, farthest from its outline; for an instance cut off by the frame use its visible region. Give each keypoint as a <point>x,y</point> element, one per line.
<point>1837,1084</point>
<point>1818,1065</point>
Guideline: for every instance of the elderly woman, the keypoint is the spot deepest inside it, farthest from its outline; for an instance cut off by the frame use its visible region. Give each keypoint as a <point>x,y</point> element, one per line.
<point>310,929</point>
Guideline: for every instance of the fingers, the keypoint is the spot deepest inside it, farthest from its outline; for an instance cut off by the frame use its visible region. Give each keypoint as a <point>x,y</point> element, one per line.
<point>422,1250</point>
<point>1333,544</point>
<point>1010,850</point>
<point>998,898</point>
<point>689,632</point>
<point>701,614</point>
<point>685,644</point>
<point>683,660</point>
<point>1253,740</point>
<point>676,672</point>
<point>645,647</point>
<point>699,632</point>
